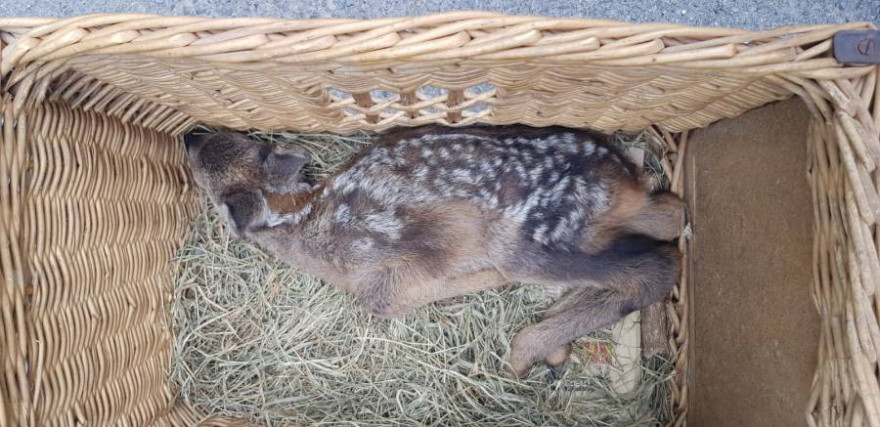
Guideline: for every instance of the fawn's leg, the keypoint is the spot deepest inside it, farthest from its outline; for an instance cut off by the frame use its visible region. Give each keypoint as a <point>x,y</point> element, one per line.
<point>581,311</point>
<point>662,218</point>
<point>390,295</point>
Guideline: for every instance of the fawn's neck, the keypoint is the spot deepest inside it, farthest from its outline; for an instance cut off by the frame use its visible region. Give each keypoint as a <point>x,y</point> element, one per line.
<point>290,207</point>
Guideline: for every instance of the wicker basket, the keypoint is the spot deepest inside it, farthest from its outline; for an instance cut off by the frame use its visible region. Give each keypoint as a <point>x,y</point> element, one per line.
<point>94,196</point>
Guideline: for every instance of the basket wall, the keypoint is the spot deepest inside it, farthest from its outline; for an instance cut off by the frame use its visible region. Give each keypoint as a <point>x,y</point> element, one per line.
<point>94,196</point>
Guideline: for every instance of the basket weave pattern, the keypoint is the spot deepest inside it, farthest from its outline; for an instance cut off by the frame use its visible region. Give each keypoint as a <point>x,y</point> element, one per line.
<point>94,196</point>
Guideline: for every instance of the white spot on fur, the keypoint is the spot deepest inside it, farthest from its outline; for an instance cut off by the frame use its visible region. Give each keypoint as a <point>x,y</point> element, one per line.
<point>535,175</point>
<point>274,219</point>
<point>599,196</point>
<point>342,214</point>
<point>462,175</point>
<point>420,172</point>
<point>540,234</point>
<point>589,148</point>
<point>384,222</point>
<point>362,244</point>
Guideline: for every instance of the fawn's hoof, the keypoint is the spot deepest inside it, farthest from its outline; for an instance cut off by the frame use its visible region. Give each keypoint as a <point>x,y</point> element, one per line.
<point>555,373</point>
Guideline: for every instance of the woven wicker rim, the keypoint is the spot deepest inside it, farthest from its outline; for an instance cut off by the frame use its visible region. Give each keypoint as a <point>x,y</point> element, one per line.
<point>132,71</point>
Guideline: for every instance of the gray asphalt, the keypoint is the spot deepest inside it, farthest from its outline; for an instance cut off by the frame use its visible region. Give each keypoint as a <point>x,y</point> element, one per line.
<point>731,13</point>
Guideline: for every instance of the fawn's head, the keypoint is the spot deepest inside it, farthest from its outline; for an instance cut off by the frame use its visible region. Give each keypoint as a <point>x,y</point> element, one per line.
<point>236,172</point>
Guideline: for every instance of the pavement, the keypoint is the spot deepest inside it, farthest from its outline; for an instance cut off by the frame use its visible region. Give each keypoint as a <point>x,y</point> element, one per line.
<point>750,14</point>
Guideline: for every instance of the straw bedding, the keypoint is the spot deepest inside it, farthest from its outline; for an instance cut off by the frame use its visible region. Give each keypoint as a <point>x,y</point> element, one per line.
<point>259,340</point>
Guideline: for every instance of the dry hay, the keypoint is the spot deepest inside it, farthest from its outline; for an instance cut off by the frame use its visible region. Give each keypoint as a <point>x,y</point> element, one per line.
<point>258,340</point>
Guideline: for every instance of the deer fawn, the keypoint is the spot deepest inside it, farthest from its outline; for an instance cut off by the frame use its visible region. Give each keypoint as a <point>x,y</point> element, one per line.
<point>430,213</point>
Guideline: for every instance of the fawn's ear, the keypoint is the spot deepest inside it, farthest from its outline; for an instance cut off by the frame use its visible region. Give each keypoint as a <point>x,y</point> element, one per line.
<point>283,168</point>
<point>243,209</point>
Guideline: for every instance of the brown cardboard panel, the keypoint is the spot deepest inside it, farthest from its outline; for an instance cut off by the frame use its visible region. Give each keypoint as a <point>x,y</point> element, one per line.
<point>755,329</point>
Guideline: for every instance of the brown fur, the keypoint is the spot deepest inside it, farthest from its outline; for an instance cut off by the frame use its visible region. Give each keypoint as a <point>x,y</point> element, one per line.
<point>630,200</point>
<point>661,218</point>
<point>431,213</point>
<point>287,203</point>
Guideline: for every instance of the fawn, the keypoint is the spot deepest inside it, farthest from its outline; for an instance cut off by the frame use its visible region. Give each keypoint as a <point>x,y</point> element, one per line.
<point>430,213</point>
